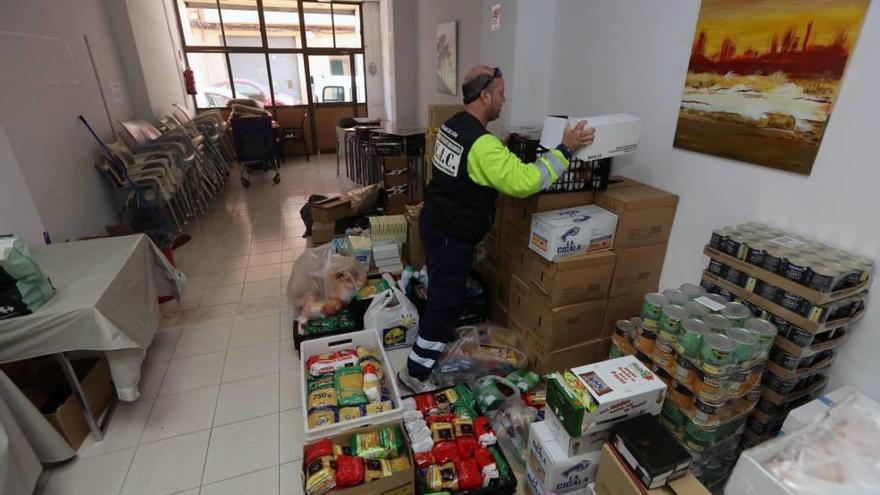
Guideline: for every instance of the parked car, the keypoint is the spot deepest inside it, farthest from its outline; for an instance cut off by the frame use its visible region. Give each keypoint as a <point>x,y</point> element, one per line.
<point>219,93</point>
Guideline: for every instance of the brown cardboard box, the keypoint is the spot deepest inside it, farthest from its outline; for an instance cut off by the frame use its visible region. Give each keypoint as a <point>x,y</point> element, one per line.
<point>503,293</point>
<point>399,483</point>
<point>645,215</point>
<point>395,163</point>
<point>438,114</point>
<point>415,251</point>
<point>622,308</point>
<point>544,361</point>
<point>520,261</point>
<point>397,203</point>
<point>493,249</point>
<point>518,329</point>
<point>322,232</point>
<point>331,209</point>
<point>512,238</point>
<point>580,278</point>
<point>637,270</point>
<point>518,212</point>
<point>617,181</point>
<point>518,303</point>
<point>615,478</point>
<point>51,394</point>
<point>396,180</point>
<point>498,314</point>
<point>564,326</point>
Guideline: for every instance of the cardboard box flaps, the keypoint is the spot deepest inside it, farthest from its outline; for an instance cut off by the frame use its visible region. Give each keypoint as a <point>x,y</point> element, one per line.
<point>331,209</point>
<point>567,232</point>
<point>615,478</point>
<point>645,215</point>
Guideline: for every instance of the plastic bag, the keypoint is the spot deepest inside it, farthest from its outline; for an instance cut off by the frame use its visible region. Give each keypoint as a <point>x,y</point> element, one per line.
<point>395,317</point>
<point>23,288</point>
<point>322,283</point>
<point>479,351</point>
<point>511,420</point>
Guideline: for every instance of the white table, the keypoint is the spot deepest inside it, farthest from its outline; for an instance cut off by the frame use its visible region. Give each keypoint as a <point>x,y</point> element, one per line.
<point>106,300</point>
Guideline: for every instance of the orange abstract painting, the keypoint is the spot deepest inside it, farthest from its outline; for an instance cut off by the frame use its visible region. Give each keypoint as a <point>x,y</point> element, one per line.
<point>763,78</point>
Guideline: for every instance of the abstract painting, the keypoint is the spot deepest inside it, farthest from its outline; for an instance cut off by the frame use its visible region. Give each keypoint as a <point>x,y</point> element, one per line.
<point>447,59</point>
<point>763,77</point>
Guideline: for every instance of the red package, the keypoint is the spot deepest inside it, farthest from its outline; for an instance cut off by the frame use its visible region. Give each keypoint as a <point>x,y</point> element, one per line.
<point>483,457</point>
<point>323,364</point>
<point>425,402</point>
<point>482,425</point>
<point>349,471</point>
<point>318,449</point>
<point>445,451</point>
<point>466,447</point>
<point>440,418</point>
<point>469,476</point>
<point>424,459</point>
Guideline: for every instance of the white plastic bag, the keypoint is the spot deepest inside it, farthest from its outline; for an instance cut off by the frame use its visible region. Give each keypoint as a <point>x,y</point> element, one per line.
<point>395,317</point>
<point>323,282</point>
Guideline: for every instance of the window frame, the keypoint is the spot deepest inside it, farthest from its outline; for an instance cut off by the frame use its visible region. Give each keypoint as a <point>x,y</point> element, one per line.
<point>265,50</point>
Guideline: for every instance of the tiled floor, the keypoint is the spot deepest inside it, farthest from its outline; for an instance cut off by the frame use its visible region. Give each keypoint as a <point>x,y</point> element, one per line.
<point>220,409</point>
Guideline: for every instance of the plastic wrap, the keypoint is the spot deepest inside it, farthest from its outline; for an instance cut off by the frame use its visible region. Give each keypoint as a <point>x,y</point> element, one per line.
<point>837,453</point>
<point>477,352</point>
<point>322,283</point>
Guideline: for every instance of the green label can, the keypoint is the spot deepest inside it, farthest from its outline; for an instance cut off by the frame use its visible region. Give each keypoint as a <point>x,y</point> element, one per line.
<point>670,318</point>
<point>746,343</point>
<point>652,308</point>
<point>716,353</point>
<point>690,340</point>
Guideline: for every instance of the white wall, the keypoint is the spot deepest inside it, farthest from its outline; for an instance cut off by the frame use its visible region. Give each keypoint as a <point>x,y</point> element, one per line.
<point>499,49</point>
<point>430,14</point>
<point>18,213</point>
<point>632,55</point>
<point>403,42</point>
<point>46,81</point>
<point>373,57</point>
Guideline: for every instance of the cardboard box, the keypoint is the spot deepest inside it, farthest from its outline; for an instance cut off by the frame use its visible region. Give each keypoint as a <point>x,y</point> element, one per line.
<point>645,215</point>
<point>637,270</point>
<point>519,261</point>
<point>615,478</point>
<point>415,251</point>
<point>575,279</point>
<point>801,416</point>
<point>622,308</point>
<point>519,329</point>
<point>564,326</point>
<point>554,470</point>
<point>51,394</point>
<point>438,114</point>
<point>322,232</point>
<point>518,303</point>
<point>397,203</point>
<point>393,164</point>
<point>513,238</point>
<point>396,180</point>
<point>616,135</point>
<point>498,314</point>
<point>543,361</point>
<point>503,294</point>
<point>653,454</point>
<point>331,209</point>
<point>622,388</point>
<point>399,483</point>
<point>567,232</point>
<point>575,446</point>
<point>617,181</point>
<point>533,486</point>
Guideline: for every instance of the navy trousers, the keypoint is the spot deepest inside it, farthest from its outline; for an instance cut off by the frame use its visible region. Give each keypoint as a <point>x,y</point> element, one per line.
<point>449,261</point>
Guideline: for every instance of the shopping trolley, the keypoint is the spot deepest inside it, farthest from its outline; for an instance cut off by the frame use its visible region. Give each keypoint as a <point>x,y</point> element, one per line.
<point>254,139</point>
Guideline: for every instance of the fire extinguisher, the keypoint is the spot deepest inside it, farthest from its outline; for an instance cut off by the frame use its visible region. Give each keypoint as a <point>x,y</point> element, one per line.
<point>190,81</point>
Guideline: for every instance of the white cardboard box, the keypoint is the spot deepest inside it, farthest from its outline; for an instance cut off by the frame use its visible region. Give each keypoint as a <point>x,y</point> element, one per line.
<point>574,446</point>
<point>553,469</point>
<point>569,231</point>
<point>616,135</point>
<point>801,416</point>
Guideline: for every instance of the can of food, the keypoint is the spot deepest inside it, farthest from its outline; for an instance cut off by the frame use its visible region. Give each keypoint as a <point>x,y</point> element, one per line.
<point>614,352</point>
<point>781,323</point>
<point>652,307</point>
<point>765,333</point>
<point>732,244</point>
<point>664,375</point>
<point>717,323</point>
<point>756,253</point>
<point>693,291</point>
<point>752,377</point>
<point>797,269</point>
<point>673,418</point>
<point>737,313</point>
<point>690,340</point>
<point>768,291</point>
<point>746,343</point>
<point>733,276</point>
<point>624,332</point>
<point>716,353</point>
<point>681,396</point>
<point>824,277</point>
<point>855,274</point>
<point>698,438</point>
<point>670,318</point>
<point>625,328</point>
<point>706,413</point>
<point>717,239</point>
<point>711,388</point>
<point>684,371</point>
<point>717,267</point>
<point>663,354</point>
<point>800,337</point>
<point>675,296</point>
<point>773,257</point>
<point>792,302</point>
<point>696,310</point>
<point>645,339</point>
<point>785,359</point>
<point>644,358</point>
<point>778,385</point>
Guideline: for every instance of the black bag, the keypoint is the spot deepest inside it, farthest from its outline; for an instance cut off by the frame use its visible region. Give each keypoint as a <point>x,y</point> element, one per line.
<point>306,212</point>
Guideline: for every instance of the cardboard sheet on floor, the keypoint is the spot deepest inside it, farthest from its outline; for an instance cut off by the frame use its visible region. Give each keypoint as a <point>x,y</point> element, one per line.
<point>106,300</point>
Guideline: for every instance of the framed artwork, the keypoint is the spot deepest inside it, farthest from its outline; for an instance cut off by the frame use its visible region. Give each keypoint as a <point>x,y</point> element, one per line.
<point>763,77</point>
<point>447,57</point>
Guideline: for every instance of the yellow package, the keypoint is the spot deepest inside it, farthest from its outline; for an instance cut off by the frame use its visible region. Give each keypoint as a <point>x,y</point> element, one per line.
<point>375,469</point>
<point>378,407</point>
<point>320,416</point>
<point>446,397</point>
<point>322,397</point>
<point>399,464</point>
<point>349,413</point>
<point>442,431</point>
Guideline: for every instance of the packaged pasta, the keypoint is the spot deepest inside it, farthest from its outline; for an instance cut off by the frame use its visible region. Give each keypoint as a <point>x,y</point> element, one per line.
<point>349,413</point>
<point>325,415</point>
<point>350,386</point>
<point>375,469</point>
<point>322,397</point>
<point>442,477</point>
<point>323,364</point>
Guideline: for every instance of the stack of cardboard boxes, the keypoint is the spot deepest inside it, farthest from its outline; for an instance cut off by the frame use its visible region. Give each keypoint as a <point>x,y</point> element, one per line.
<point>565,310</point>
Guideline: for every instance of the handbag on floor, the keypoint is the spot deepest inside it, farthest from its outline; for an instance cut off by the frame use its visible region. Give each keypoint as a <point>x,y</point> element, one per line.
<point>395,317</point>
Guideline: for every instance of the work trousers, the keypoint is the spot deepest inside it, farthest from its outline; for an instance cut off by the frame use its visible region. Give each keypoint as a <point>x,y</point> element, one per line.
<point>449,261</point>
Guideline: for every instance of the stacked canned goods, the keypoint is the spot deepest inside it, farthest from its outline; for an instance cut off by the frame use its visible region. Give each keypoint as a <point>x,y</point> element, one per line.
<point>711,353</point>
<point>809,263</point>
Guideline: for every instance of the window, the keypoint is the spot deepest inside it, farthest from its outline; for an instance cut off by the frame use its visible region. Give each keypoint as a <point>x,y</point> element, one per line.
<point>256,49</point>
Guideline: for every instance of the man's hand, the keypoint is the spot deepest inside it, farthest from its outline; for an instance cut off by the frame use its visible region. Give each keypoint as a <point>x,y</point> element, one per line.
<point>578,136</point>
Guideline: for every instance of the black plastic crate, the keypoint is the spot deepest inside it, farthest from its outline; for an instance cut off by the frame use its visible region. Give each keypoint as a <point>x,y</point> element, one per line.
<point>581,175</point>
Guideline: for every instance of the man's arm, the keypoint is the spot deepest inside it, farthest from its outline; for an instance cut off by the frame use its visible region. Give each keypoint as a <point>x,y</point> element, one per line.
<point>491,164</point>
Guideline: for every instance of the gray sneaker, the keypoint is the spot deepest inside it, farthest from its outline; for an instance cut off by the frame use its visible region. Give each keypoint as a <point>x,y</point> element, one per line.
<point>417,386</point>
